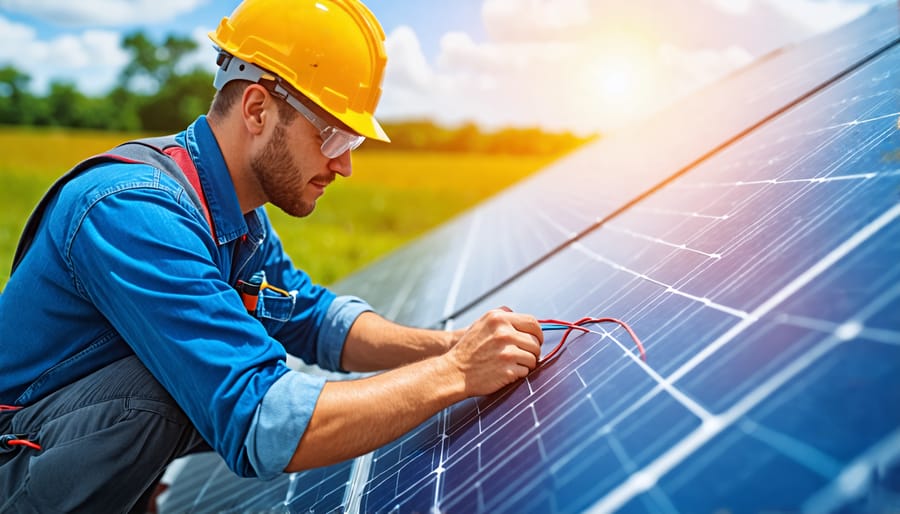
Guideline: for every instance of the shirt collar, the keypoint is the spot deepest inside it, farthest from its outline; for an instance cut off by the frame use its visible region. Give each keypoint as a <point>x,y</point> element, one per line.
<point>221,198</point>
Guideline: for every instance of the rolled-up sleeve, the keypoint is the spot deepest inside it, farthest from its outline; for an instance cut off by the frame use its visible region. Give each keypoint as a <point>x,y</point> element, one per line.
<point>320,321</point>
<point>280,421</point>
<point>340,317</point>
<point>284,413</point>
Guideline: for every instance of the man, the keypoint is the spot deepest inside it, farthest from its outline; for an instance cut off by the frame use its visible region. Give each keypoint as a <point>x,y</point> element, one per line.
<point>140,324</point>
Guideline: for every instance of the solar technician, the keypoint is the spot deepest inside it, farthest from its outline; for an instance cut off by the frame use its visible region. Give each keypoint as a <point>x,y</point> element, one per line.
<point>151,304</point>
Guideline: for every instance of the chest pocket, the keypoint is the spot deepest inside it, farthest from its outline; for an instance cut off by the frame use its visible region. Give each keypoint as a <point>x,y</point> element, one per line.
<point>275,306</point>
<point>269,304</point>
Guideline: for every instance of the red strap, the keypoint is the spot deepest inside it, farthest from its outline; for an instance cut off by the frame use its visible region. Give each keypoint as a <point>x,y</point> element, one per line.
<point>184,161</point>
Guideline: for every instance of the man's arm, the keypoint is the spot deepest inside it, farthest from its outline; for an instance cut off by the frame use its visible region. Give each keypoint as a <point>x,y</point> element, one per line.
<point>355,417</point>
<point>374,343</point>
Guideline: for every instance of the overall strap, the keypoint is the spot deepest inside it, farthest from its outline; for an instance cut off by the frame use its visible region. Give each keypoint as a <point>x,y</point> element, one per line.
<point>162,153</point>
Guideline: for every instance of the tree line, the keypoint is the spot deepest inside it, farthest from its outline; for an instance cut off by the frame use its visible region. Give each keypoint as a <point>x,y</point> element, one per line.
<point>155,93</point>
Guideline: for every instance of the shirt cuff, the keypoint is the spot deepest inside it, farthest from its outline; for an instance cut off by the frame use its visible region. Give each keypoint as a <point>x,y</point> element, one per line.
<point>340,317</point>
<point>280,420</point>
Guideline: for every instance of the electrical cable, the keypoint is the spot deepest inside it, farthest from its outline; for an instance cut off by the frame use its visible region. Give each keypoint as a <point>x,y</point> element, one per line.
<point>554,324</point>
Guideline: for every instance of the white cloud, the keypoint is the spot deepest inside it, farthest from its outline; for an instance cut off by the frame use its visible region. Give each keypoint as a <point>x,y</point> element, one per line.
<point>92,59</point>
<point>732,6</point>
<point>820,15</point>
<point>409,89</point>
<point>577,85</point>
<point>588,65</point>
<point>699,67</point>
<point>101,12</point>
<point>407,66</point>
<point>12,34</point>
<point>815,15</point>
<point>530,20</point>
<point>557,64</point>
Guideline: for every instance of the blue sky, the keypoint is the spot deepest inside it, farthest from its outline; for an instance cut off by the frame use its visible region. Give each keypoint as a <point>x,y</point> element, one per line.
<point>582,65</point>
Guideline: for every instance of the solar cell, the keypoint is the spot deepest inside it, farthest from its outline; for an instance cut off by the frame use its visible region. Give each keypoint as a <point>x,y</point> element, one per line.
<point>205,484</point>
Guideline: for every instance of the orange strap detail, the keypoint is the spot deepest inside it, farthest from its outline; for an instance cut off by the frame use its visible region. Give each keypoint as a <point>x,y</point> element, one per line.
<point>184,161</point>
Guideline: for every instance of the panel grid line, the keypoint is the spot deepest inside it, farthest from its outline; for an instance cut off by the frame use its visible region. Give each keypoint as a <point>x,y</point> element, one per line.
<point>650,474</point>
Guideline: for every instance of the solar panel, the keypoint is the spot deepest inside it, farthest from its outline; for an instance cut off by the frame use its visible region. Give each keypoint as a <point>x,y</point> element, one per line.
<point>205,484</point>
<point>758,263</point>
<point>764,283</point>
<point>444,272</point>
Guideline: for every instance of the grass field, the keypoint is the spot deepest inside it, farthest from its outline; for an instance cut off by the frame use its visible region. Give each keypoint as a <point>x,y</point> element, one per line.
<point>392,197</point>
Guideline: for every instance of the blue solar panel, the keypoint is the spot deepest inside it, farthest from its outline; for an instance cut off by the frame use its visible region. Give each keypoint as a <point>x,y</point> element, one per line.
<point>444,272</point>
<point>764,284</point>
<point>757,262</point>
<point>205,484</point>
<point>319,490</point>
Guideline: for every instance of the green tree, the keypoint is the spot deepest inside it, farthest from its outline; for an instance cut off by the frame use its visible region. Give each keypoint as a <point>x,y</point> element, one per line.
<point>120,110</point>
<point>13,95</point>
<point>178,101</point>
<point>66,105</point>
<point>163,98</point>
<point>155,65</point>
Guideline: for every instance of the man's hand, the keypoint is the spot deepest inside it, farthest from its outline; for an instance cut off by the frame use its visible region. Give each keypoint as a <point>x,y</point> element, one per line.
<point>498,349</point>
<point>357,416</point>
<point>455,336</point>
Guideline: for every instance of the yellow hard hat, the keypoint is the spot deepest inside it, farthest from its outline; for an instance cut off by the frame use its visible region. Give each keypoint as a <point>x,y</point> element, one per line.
<point>331,51</point>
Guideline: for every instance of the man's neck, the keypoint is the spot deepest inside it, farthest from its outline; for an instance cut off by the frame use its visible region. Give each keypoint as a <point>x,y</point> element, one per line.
<point>234,146</point>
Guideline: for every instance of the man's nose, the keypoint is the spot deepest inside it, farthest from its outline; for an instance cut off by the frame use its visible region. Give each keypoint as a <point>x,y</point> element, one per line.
<point>341,164</point>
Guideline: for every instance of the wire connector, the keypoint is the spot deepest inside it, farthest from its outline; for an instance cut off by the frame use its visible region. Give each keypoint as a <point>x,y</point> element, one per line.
<point>12,442</point>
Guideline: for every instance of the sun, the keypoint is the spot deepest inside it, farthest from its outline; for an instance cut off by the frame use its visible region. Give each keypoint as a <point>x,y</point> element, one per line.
<point>620,81</point>
<point>616,83</point>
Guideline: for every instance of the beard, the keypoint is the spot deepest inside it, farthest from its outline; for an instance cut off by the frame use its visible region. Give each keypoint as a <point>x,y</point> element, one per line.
<point>280,177</point>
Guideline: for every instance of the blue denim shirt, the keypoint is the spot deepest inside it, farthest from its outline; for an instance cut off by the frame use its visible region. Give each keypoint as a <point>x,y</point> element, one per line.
<point>125,263</point>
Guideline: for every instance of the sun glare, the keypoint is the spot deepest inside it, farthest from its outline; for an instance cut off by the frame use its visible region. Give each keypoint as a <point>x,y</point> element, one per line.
<point>616,83</point>
<point>620,80</point>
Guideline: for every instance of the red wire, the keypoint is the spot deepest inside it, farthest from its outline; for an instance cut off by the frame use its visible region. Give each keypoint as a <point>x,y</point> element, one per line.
<point>578,326</point>
<point>19,442</point>
<point>24,442</point>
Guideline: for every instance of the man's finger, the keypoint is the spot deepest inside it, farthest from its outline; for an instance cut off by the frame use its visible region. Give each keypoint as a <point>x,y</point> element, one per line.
<point>526,358</point>
<point>522,371</point>
<point>529,325</point>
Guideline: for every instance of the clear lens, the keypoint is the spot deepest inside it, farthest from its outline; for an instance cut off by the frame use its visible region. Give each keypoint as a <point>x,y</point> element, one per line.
<point>335,142</point>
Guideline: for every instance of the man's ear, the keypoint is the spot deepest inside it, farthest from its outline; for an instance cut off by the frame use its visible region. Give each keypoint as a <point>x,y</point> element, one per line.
<point>256,103</point>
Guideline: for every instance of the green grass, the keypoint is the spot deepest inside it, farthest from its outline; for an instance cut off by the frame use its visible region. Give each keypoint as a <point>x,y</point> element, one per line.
<point>391,198</point>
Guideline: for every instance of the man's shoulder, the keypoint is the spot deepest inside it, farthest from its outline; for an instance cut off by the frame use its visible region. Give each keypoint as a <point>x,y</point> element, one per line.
<point>109,178</point>
<point>112,175</point>
<point>126,190</point>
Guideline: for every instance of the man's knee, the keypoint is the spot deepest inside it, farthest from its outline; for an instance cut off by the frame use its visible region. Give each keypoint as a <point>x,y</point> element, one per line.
<point>102,450</point>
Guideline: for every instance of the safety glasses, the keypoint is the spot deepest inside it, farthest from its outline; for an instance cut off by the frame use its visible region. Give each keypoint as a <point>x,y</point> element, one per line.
<point>335,140</point>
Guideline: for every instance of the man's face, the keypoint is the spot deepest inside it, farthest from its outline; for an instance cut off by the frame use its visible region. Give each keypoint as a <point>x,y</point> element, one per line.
<point>291,169</point>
